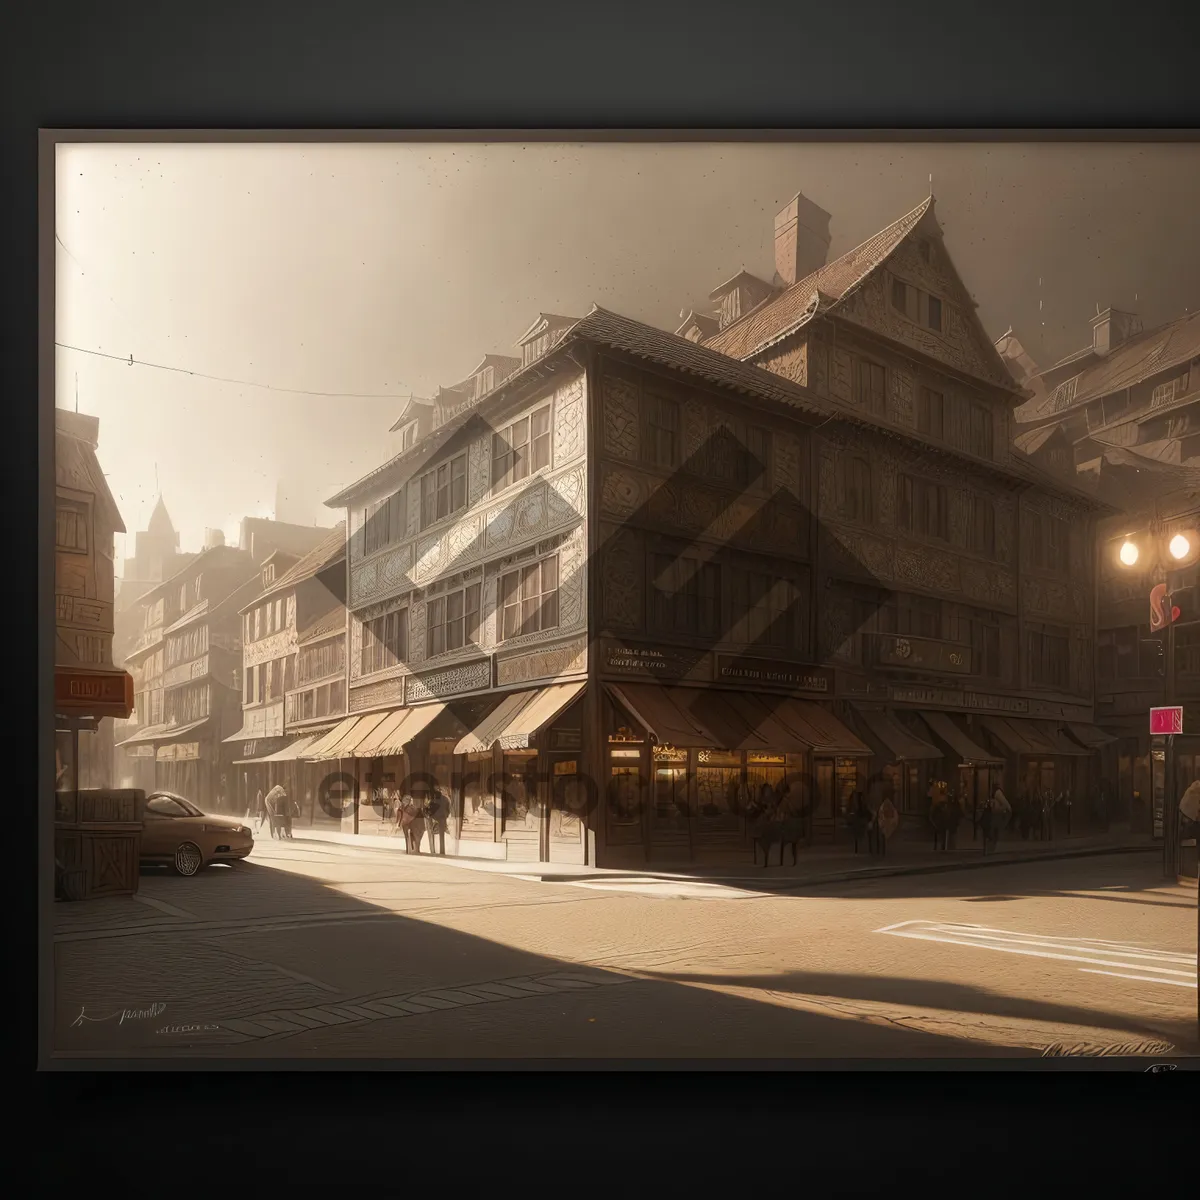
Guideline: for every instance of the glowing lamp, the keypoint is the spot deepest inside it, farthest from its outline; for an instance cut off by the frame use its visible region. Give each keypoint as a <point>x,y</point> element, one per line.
<point>1128,554</point>
<point>1180,547</point>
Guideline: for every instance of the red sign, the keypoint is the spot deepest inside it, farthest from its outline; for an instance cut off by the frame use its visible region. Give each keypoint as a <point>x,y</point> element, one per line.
<point>1162,612</point>
<point>1166,721</point>
<point>98,693</point>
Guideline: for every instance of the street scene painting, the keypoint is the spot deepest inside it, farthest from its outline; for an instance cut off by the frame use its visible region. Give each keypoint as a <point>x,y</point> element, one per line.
<point>657,601</point>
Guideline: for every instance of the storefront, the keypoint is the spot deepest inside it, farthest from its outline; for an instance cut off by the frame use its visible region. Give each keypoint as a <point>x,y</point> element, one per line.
<point>1043,759</point>
<point>901,763</point>
<point>978,772</point>
<point>683,764</point>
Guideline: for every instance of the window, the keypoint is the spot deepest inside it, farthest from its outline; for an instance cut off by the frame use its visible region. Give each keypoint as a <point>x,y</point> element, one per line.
<point>408,437</point>
<point>982,632</point>
<point>917,616</point>
<point>662,424</point>
<point>452,620</point>
<point>931,413</point>
<point>529,598</point>
<point>522,448</point>
<point>1049,656</point>
<point>924,249</point>
<point>921,506</point>
<point>443,490</point>
<point>71,527</point>
<point>934,314</point>
<point>766,609</point>
<point>268,577</point>
<point>384,641</point>
<point>981,533</point>
<point>870,385</point>
<point>279,612</point>
<point>384,522</point>
<point>854,497</point>
<point>322,660</point>
<point>979,430</point>
<point>686,595</point>
<point>260,690</point>
<point>900,296</point>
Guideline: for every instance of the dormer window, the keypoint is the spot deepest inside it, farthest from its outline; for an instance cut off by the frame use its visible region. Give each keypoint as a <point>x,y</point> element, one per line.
<point>408,437</point>
<point>268,577</point>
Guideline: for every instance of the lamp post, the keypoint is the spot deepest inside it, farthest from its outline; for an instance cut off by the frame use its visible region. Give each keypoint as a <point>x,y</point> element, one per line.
<point>1180,552</point>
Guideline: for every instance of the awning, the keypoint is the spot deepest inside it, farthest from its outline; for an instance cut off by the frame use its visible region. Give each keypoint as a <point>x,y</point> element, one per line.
<point>897,741</point>
<point>317,752</point>
<point>1062,744</point>
<point>779,737</point>
<point>347,747</point>
<point>724,715</point>
<point>400,727</point>
<point>946,729</point>
<point>1089,735</point>
<point>490,727</point>
<point>546,704</point>
<point>666,722</point>
<point>290,752</point>
<point>1008,736</point>
<point>820,729</point>
<point>165,733</point>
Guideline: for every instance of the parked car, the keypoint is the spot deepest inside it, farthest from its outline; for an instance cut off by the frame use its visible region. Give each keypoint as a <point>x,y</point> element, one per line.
<point>176,832</point>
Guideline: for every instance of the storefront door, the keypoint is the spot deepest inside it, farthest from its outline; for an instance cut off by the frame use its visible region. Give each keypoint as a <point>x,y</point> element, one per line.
<point>521,808</point>
<point>669,803</point>
<point>568,802</point>
<point>623,815</point>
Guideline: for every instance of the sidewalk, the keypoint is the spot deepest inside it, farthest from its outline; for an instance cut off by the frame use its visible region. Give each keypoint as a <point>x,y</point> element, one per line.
<point>834,864</point>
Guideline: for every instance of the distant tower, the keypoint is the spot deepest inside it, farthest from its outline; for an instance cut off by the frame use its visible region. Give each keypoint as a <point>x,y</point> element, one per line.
<point>155,548</point>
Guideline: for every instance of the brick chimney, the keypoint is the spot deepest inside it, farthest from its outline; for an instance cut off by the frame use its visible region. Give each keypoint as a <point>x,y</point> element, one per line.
<point>1111,328</point>
<point>801,239</point>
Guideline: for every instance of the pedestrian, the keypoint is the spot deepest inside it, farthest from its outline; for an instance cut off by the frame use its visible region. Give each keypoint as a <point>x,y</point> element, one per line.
<point>260,810</point>
<point>278,811</point>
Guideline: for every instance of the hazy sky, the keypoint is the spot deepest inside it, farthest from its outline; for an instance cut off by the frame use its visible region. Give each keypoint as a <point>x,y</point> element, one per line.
<point>385,269</point>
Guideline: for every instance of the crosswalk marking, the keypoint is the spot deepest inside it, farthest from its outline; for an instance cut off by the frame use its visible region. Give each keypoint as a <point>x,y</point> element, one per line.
<point>1175,968</point>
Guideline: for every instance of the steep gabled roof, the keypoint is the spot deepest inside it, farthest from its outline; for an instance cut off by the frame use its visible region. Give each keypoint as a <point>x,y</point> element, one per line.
<point>1142,356</point>
<point>413,410</point>
<point>545,321</point>
<point>76,462</point>
<point>504,365</point>
<point>160,520</point>
<point>743,276</point>
<point>784,314</point>
<point>327,553</point>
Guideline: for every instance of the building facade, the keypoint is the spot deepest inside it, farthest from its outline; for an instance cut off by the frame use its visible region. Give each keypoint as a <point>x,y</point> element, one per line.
<point>611,598</point>
<point>90,692</point>
<point>293,675</point>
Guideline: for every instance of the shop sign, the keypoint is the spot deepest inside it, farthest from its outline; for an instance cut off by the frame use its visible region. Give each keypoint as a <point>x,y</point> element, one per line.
<point>565,739</point>
<point>763,672</point>
<point>624,658</point>
<point>1166,721</point>
<point>570,767</point>
<point>619,752</point>
<point>986,703</point>
<point>937,697</point>
<point>106,692</point>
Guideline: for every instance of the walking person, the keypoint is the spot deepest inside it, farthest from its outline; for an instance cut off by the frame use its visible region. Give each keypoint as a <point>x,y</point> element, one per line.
<point>278,811</point>
<point>259,812</point>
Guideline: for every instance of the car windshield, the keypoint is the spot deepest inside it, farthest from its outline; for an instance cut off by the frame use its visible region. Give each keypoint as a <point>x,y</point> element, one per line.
<point>171,805</point>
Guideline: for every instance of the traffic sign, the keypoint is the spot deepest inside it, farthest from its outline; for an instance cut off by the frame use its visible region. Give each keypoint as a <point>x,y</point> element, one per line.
<point>1166,721</point>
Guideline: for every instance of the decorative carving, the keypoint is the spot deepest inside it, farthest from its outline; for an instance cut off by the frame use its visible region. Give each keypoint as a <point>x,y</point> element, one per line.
<point>463,540</point>
<point>416,630</point>
<point>791,363</point>
<point>927,568</point>
<point>620,492</point>
<point>385,573</point>
<point>572,579</point>
<point>900,398</point>
<point>551,663</point>
<point>568,423</point>
<point>377,694</point>
<point>835,635</point>
<point>566,497</point>
<point>988,584</point>
<point>531,512</point>
<point>277,645</point>
<point>621,431</point>
<point>861,554</point>
<point>479,469</point>
<point>621,583</point>
<point>468,677</point>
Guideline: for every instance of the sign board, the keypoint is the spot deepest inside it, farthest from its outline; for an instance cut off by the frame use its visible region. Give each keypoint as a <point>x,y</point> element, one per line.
<point>98,693</point>
<point>660,662</point>
<point>1166,721</point>
<point>923,654</point>
<point>766,673</point>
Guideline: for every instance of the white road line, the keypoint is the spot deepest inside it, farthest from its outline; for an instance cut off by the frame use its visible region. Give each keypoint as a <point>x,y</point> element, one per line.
<point>164,907</point>
<point>1143,978</point>
<point>1076,950</point>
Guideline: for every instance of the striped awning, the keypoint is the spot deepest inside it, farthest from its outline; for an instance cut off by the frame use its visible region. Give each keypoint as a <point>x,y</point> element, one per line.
<point>399,727</point>
<point>947,730</point>
<point>898,743</point>
<point>317,752</point>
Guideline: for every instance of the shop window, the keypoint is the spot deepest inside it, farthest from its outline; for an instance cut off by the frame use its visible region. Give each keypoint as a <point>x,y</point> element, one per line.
<point>529,598</point>
<point>686,595</point>
<point>670,789</point>
<point>71,526</point>
<point>520,793</point>
<point>521,449</point>
<point>718,778</point>
<point>443,490</point>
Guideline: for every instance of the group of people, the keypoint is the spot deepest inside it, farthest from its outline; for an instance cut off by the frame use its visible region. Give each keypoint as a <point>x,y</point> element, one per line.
<point>277,808</point>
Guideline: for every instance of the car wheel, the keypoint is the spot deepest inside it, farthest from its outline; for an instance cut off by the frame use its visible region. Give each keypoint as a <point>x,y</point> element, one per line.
<point>188,859</point>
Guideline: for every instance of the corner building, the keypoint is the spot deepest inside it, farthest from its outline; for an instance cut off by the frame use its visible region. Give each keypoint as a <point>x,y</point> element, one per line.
<point>610,597</point>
